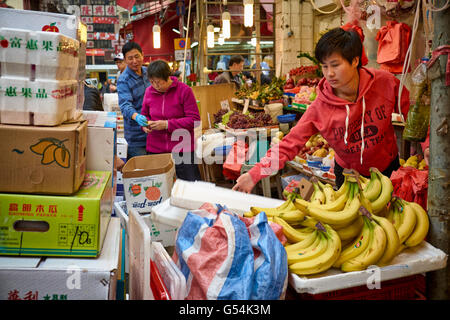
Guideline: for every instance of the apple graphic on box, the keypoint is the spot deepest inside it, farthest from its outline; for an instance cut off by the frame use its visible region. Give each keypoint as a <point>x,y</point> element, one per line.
<point>50,27</point>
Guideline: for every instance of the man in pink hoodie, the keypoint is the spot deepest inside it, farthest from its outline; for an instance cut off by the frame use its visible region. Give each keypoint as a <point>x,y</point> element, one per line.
<point>352,112</point>
<point>172,113</point>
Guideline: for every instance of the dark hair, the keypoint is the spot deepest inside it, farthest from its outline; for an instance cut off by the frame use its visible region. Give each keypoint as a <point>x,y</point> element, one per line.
<point>130,46</point>
<point>159,69</point>
<point>235,59</point>
<point>346,43</point>
<point>177,73</point>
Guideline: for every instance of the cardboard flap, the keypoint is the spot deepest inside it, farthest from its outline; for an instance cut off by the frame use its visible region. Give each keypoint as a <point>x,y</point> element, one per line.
<point>148,165</point>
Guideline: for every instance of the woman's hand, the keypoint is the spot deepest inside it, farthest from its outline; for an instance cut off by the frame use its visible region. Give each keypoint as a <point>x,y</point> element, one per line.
<point>244,183</point>
<point>146,130</point>
<point>158,125</point>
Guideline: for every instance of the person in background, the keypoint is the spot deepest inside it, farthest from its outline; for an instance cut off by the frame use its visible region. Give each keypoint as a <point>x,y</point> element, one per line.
<point>131,88</point>
<point>235,65</point>
<point>171,110</point>
<point>353,112</point>
<point>92,99</point>
<point>120,63</point>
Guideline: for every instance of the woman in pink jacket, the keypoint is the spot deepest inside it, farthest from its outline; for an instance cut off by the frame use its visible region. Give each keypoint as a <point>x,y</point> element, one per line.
<point>172,113</point>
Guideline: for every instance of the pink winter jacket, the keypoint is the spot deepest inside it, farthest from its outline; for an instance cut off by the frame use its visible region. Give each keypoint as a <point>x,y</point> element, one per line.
<point>179,107</point>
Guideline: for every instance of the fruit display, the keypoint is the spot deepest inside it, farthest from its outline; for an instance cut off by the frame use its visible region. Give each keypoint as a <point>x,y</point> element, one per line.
<point>303,70</point>
<point>306,95</point>
<point>237,120</point>
<point>352,228</point>
<point>263,93</point>
<point>316,146</point>
<point>414,162</point>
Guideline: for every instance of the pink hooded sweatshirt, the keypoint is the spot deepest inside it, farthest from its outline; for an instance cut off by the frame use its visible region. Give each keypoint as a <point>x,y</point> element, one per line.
<point>179,107</point>
<point>360,132</point>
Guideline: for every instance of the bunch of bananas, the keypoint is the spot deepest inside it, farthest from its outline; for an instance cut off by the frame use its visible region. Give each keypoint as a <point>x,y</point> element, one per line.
<point>352,228</point>
<point>410,220</point>
<point>413,161</point>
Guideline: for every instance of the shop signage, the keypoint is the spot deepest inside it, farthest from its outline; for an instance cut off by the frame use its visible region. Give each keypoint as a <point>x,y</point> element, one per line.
<point>95,52</point>
<point>179,55</point>
<point>86,10</point>
<point>104,36</point>
<point>180,43</point>
<point>105,20</point>
<point>99,10</point>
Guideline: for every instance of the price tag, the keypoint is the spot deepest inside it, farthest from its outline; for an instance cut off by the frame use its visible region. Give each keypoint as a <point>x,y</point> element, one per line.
<point>225,105</point>
<point>246,104</point>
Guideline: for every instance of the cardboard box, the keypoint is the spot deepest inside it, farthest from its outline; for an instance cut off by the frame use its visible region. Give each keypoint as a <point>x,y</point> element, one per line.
<point>148,181</point>
<point>101,142</point>
<point>122,148</point>
<point>63,278</point>
<point>75,226</point>
<point>43,160</point>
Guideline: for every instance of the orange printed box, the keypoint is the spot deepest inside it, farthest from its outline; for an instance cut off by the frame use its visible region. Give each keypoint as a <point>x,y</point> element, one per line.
<point>43,160</point>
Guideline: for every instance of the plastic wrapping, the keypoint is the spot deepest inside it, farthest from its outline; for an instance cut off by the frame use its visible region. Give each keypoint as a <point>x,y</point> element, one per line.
<point>418,120</point>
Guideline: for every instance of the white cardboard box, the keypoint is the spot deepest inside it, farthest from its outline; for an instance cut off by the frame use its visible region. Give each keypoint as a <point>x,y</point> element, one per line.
<point>61,278</point>
<point>415,260</point>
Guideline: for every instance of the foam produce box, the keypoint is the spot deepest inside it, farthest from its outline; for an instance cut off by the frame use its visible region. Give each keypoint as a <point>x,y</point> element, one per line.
<point>75,226</point>
<point>39,102</point>
<point>43,160</point>
<point>68,25</point>
<point>192,195</point>
<point>148,181</point>
<point>38,55</point>
<point>57,278</point>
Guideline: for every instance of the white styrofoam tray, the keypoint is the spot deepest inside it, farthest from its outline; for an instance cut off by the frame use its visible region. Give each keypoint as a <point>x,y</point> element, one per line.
<point>192,195</point>
<point>420,259</point>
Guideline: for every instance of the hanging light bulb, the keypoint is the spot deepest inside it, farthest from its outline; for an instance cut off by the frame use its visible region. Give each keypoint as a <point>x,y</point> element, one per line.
<point>210,36</point>
<point>226,25</point>
<point>248,13</point>
<point>253,40</point>
<point>221,39</point>
<point>156,36</point>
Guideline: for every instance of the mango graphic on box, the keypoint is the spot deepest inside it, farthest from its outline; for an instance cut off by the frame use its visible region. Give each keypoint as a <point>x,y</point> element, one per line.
<point>52,150</point>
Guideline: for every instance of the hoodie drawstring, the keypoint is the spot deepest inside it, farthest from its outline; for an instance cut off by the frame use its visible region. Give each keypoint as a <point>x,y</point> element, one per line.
<point>346,123</point>
<point>362,129</point>
<point>362,126</point>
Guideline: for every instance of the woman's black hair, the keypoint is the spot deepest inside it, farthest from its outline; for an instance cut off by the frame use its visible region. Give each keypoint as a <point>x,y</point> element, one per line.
<point>346,43</point>
<point>130,46</point>
<point>159,69</point>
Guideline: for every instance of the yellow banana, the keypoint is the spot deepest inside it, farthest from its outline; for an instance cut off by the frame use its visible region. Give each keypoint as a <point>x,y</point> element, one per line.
<point>290,233</point>
<point>293,216</point>
<point>341,217</point>
<point>385,195</point>
<point>343,189</point>
<point>409,219</point>
<point>373,189</point>
<point>248,214</point>
<point>314,250</point>
<point>393,241</point>
<point>304,243</point>
<point>364,181</point>
<point>328,191</point>
<point>286,206</point>
<point>371,255</point>
<point>324,261</point>
<point>400,249</point>
<point>422,225</point>
<point>357,246</point>
<point>352,230</point>
<point>318,196</point>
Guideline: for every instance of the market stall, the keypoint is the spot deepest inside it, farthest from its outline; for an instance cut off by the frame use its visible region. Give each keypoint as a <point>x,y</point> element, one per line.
<point>143,234</point>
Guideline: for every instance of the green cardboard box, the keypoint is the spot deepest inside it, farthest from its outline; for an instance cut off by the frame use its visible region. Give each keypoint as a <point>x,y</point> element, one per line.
<point>66,226</point>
